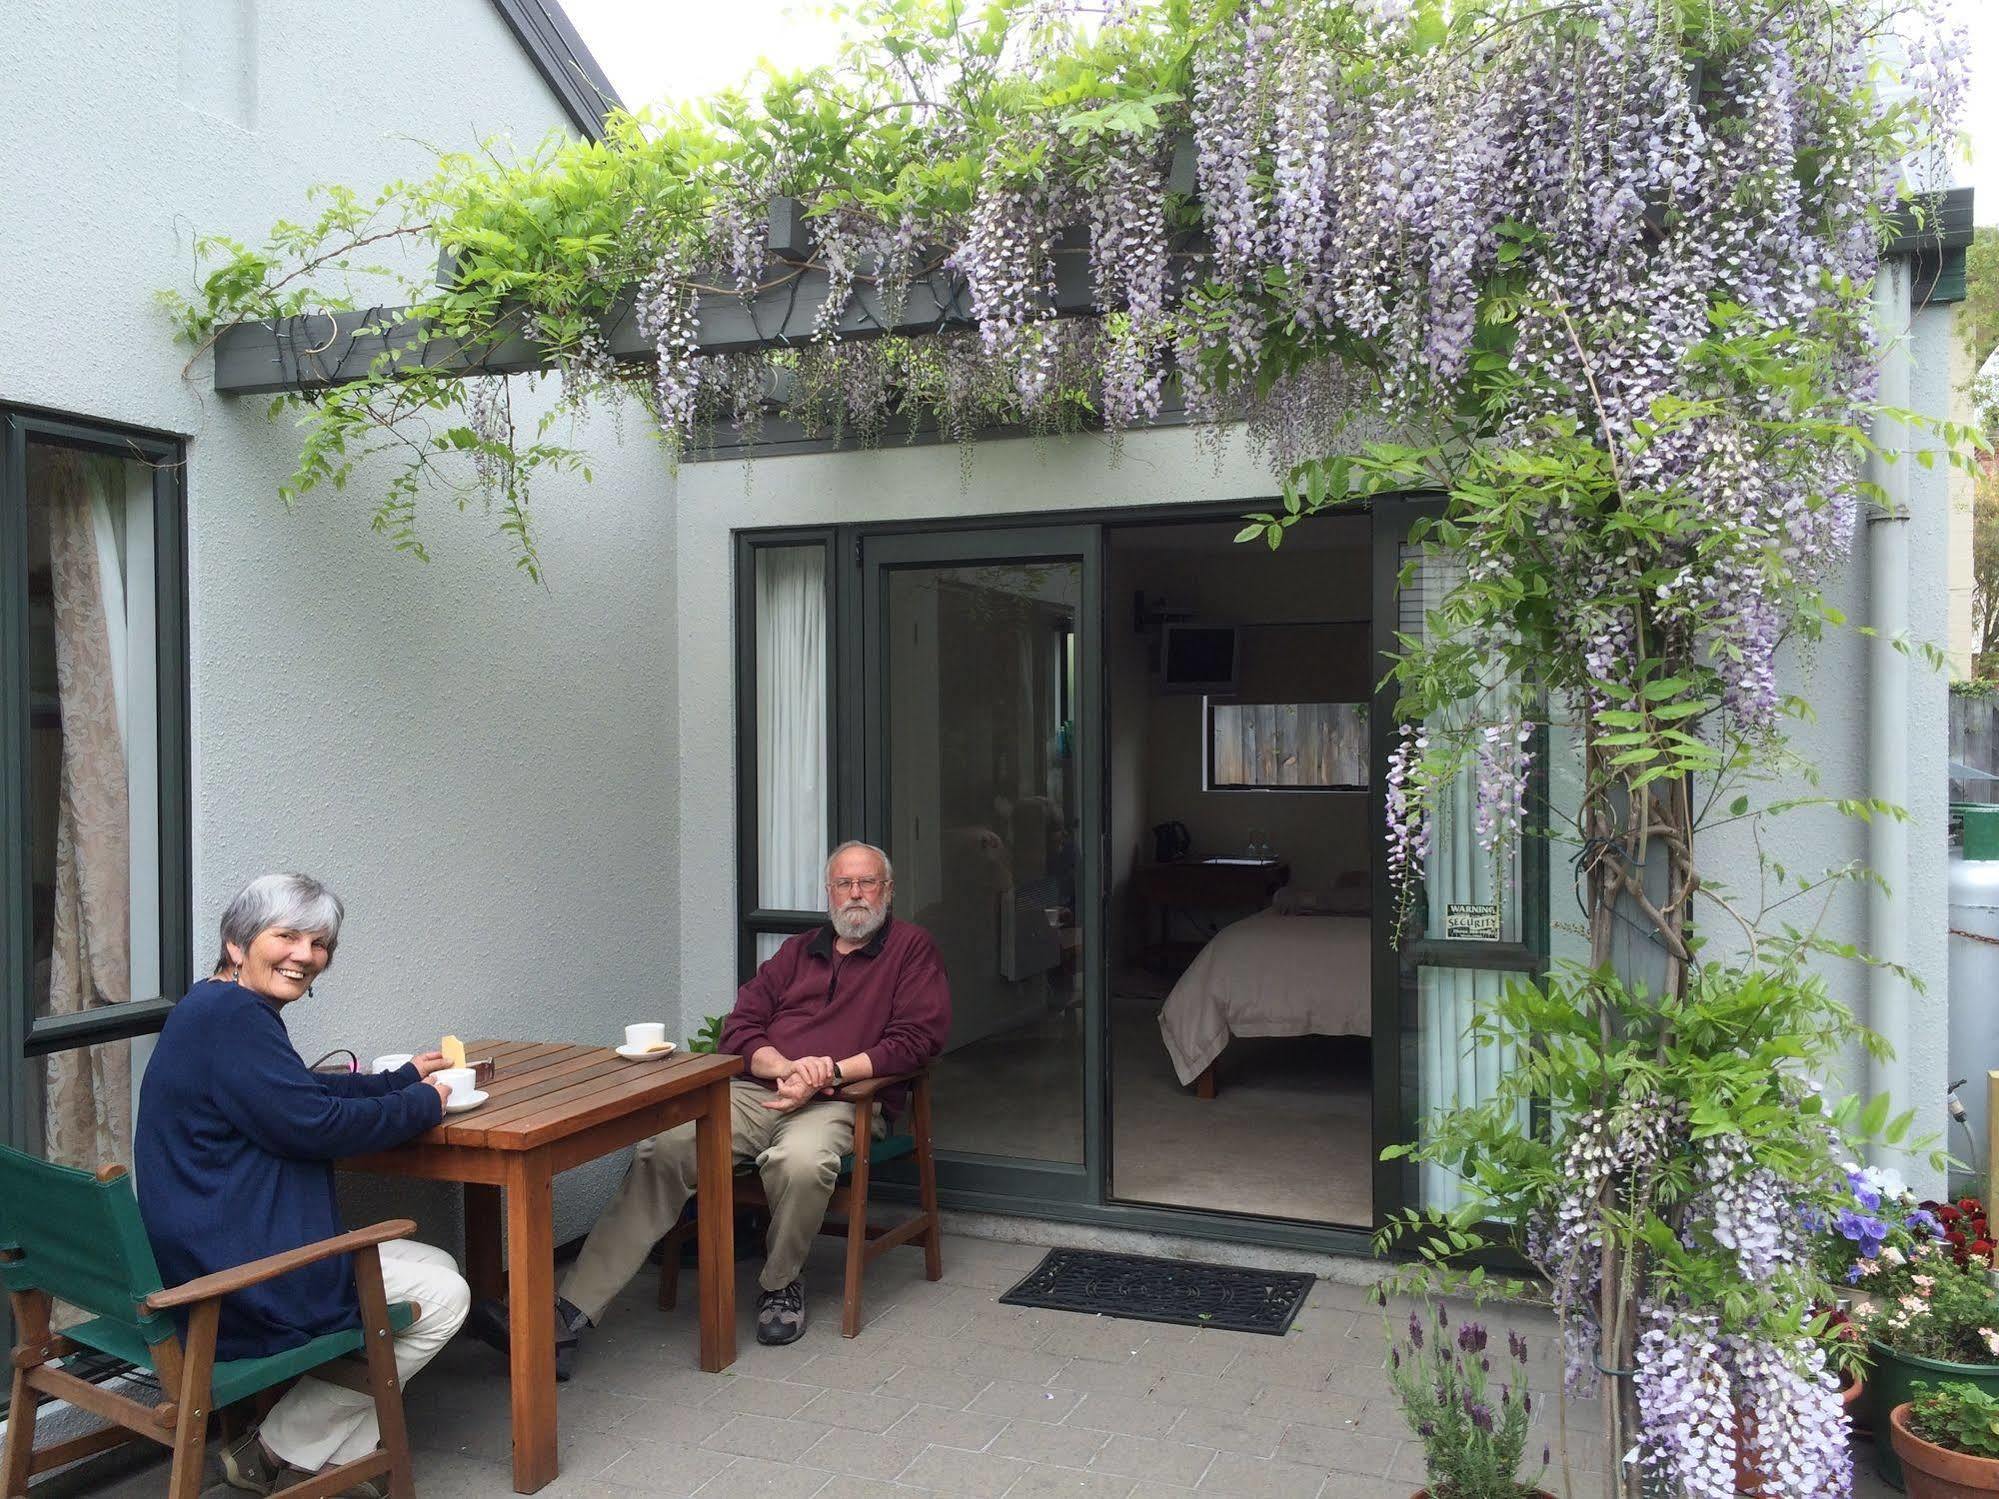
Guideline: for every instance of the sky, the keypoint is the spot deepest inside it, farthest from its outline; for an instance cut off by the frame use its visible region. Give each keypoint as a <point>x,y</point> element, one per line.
<point>682,49</point>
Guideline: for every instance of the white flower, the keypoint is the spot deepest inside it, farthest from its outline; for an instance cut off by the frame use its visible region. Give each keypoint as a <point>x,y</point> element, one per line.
<point>1893,1255</point>
<point>1887,1181</point>
<point>1991,1339</point>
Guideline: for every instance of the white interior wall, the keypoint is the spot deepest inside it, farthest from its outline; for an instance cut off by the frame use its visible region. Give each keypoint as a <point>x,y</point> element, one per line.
<point>486,770</point>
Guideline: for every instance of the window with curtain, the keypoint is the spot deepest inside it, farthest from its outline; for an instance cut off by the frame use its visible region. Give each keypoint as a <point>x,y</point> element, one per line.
<point>1470,894</point>
<point>95,948</point>
<point>787,693</point>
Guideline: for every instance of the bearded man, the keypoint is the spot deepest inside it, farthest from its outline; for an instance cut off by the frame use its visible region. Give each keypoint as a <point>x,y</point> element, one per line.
<point>862,996</point>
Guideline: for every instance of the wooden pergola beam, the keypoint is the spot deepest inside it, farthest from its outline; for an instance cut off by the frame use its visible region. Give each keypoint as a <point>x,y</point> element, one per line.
<point>318,351</point>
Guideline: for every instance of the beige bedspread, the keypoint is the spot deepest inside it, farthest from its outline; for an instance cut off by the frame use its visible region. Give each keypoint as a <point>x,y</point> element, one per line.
<point>1270,975</point>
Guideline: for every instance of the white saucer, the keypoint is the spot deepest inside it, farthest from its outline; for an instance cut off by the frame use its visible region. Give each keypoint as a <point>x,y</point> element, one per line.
<point>640,1054</point>
<point>471,1100</point>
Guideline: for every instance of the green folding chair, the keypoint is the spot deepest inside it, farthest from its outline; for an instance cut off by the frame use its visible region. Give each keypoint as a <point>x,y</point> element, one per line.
<point>69,1236</point>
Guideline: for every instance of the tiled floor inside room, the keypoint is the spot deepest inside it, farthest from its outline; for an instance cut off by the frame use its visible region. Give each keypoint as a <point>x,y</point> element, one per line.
<point>946,1392</point>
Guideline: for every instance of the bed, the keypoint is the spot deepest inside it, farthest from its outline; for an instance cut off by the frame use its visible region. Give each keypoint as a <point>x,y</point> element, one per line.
<point>1269,975</point>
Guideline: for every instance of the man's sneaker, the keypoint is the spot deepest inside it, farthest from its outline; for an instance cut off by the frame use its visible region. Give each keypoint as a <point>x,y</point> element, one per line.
<point>781,1314</point>
<point>488,1323</point>
<point>247,1465</point>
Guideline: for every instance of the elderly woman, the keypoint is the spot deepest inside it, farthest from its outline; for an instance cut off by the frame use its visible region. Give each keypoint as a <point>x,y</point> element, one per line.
<point>234,1155</point>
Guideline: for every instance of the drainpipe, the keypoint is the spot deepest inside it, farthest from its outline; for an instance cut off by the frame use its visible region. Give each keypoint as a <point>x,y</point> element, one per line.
<point>1888,997</point>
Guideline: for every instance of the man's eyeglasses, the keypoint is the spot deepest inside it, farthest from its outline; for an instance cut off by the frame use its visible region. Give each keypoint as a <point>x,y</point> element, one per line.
<point>866,884</point>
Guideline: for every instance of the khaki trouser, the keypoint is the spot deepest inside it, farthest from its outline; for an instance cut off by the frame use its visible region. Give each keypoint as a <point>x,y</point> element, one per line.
<point>797,1154</point>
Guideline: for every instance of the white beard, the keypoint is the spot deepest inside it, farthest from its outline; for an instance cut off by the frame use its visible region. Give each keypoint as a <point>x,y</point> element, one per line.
<point>857,924</point>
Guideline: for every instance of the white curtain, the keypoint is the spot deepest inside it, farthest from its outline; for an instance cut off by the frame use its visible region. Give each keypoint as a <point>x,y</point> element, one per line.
<point>792,834</point>
<point>1453,1069</point>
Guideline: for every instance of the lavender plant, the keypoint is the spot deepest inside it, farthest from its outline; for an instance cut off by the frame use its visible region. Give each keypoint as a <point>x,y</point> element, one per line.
<point>1471,1417</point>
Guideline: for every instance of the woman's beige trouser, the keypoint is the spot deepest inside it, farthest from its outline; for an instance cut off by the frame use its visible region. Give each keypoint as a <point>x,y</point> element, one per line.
<point>317,1423</point>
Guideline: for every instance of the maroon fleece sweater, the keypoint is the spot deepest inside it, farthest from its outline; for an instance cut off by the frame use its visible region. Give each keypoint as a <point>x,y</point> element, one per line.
<point>888,999</point>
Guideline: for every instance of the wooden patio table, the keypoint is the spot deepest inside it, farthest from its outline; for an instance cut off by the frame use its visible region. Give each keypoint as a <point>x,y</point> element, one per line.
<point>550,1107</point>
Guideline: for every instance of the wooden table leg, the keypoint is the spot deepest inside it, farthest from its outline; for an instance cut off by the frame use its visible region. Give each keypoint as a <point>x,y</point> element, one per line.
<point>716,1218</point>
<point>531,1317</point>
<point>482,1241</point>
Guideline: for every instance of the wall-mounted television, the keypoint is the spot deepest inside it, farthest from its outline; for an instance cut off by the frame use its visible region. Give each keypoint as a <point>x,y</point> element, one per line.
<point>1200,658</point>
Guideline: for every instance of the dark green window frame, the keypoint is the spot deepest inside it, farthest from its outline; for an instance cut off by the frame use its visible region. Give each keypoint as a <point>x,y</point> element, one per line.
<point>22,1034</point>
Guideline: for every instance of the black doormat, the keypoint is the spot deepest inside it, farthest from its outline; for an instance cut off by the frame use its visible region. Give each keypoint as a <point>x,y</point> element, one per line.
<point>1187,1292</point>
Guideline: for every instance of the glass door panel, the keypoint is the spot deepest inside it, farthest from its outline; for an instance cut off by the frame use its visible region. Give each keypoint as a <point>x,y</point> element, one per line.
<point>975,721</point>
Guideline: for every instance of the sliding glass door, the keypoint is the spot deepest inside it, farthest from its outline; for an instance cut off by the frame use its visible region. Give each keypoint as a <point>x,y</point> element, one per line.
<point>978,744</point>
<point>943,693</point>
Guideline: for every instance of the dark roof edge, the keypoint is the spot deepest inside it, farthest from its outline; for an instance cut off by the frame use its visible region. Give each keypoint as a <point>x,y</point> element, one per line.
<point>558,53</point>
<point>1946,226</point>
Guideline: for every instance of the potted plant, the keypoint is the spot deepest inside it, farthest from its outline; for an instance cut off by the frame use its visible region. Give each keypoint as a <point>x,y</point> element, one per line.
<point>1927,1318</point>
<point>1470,1417</point>
<point>1947,1437</point>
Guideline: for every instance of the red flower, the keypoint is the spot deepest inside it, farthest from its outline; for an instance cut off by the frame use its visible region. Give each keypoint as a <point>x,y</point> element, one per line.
<point>1981,1248</point>
<point>1948,1214</point>
<point>1971,1207</point>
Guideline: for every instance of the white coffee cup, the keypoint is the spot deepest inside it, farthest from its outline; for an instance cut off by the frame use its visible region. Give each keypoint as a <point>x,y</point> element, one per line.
<point>458,1079</point>
<point>392,1061</point>
<point>639,1037</point>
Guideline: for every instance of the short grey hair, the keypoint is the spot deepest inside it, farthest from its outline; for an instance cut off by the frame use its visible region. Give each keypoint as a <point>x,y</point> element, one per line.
<point>888,869</point>
<point>294,901</point>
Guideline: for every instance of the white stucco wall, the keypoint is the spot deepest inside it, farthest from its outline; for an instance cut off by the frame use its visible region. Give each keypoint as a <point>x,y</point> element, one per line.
<point>486,770</point>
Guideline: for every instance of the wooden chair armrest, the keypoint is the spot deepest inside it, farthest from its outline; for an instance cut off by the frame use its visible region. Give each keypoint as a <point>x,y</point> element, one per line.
<point>223,1282</point>
<point>868,1087</point>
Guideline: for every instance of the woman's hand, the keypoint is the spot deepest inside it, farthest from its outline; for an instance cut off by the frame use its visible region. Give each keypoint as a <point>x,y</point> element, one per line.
<point>427,1062</point>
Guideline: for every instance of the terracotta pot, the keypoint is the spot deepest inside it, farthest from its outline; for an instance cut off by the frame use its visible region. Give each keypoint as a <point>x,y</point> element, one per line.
<point>1932,1472</point>
<point>1749,1479</point>
<point>1891,1380</point>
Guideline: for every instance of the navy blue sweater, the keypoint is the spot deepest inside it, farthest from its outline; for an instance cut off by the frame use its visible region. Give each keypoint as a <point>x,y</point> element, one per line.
<point>234,1150</point>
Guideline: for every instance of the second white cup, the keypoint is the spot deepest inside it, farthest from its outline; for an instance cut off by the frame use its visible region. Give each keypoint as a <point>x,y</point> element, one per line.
<point>458,1080</point>
<point>639,1037</point>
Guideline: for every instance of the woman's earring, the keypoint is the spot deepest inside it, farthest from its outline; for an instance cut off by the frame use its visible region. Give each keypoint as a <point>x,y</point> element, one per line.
<point>308,991</point>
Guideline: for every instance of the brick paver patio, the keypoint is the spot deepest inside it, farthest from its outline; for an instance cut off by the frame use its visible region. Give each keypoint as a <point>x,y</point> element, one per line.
<point>946,1392</point>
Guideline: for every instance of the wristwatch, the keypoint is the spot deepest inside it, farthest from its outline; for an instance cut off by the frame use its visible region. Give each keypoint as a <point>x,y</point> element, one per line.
<point>838,1080</point>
